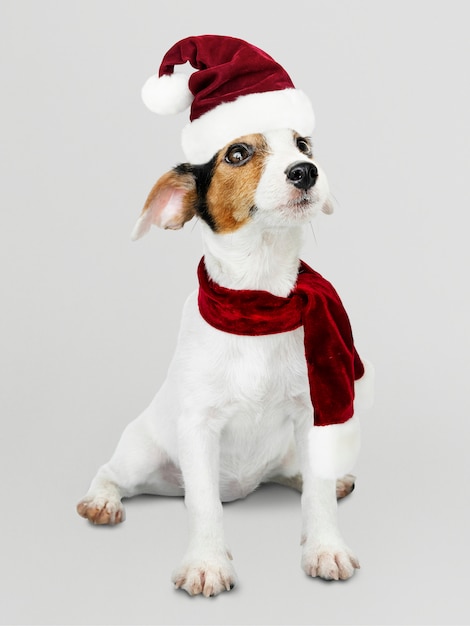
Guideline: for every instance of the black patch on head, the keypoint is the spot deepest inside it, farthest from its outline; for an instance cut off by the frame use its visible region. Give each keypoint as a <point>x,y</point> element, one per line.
<point>183,168</point>
<point>203,176</point>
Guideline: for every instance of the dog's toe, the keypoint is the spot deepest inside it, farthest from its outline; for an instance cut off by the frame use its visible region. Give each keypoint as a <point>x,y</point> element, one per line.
<point>207,577</point>
<point>329,562</point>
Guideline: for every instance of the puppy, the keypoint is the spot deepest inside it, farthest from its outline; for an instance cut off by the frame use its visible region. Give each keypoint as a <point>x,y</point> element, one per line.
<point>234,411</point>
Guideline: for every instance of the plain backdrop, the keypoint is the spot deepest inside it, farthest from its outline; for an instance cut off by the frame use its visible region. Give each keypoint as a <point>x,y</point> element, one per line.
<point>89,320</point>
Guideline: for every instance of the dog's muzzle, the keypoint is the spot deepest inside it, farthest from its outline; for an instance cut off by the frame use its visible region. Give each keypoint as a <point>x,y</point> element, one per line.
<point>302,174</point>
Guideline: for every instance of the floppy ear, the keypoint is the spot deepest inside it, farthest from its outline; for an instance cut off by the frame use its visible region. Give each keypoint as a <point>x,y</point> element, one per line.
<point>170,203</point>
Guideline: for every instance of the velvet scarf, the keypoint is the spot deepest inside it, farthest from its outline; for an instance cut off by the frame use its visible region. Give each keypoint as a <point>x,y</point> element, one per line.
<point>332,360</point>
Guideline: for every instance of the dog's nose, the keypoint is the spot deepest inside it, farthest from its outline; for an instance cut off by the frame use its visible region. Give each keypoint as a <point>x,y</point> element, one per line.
<point>302,174</point>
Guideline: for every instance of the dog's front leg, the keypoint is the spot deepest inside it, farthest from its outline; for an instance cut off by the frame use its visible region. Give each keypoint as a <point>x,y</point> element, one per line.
<point>324,552</point>
<point>206,567</point>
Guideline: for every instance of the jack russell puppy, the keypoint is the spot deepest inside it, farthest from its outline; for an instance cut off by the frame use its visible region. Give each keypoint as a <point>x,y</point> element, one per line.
<point>235,410</point>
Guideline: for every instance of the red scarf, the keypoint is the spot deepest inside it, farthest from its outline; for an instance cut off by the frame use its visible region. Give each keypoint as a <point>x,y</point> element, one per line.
<point>332,361</point>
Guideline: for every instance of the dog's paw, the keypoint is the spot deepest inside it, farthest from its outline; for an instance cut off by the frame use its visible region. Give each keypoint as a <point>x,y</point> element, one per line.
<point>101,510</point>
<point>207,576</point>
<point>330,562</point>
<point>344,486</point>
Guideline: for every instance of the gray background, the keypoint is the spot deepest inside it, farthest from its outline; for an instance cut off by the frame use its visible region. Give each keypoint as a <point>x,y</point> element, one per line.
<point>89,319</point>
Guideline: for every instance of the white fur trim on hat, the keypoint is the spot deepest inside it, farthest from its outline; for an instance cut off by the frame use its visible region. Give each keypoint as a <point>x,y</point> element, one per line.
<point>168,94</point>
<point>334,449</point>
<point>254,113</point>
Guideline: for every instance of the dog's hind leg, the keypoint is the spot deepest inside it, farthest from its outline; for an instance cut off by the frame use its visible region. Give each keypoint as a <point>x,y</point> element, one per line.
<point>293,482</point>
<point>102,504</point>
<point>344,486</point>
<point>137,466</point>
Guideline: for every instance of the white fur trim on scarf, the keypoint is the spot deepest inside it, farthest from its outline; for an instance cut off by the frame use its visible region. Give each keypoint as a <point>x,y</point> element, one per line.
<point>254,113</point>
<point>334,449</point>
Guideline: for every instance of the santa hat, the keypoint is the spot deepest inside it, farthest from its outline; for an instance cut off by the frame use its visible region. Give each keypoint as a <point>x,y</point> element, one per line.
<point>237,90</point>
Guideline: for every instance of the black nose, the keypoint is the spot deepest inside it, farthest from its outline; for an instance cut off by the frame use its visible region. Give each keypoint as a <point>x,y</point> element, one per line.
<point>302,174</point>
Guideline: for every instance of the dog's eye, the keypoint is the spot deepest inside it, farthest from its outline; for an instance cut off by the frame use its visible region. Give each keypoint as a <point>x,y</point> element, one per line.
<point>304,146</point>
<point>238,154</point>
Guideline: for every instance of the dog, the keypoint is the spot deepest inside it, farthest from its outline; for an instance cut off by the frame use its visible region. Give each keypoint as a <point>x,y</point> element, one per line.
<point>234,411</point>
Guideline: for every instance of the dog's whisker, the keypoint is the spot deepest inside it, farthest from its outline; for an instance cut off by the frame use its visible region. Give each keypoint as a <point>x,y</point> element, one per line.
<point>334,199</point>
<point>312,228</point>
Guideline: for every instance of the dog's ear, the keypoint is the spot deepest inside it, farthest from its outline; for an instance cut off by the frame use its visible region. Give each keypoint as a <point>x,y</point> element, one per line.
<point>170,203</point>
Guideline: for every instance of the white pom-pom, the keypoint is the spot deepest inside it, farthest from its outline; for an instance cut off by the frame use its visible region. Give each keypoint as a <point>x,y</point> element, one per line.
<point>168,94</point>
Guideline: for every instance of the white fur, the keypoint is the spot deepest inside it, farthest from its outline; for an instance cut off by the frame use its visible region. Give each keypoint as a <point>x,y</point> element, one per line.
<point>235,411</point>
<point>168,94</point>
<point>257,112</point>
<point>334,449</point>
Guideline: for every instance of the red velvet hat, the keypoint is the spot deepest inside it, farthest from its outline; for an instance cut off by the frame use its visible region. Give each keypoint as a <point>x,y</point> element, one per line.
<point>237,89</point>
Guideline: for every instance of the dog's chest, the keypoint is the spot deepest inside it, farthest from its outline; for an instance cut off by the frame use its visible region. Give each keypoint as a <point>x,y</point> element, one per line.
<point>240,374</point>
<point>251,388</point>
<point>261,372</point>
<point>260,391</point>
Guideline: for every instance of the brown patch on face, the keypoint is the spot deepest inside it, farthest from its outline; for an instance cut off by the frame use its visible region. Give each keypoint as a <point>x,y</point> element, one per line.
<point>231,194</point>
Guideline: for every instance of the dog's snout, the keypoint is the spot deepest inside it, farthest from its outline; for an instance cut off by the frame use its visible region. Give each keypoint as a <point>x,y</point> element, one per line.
<point>302,174</point>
